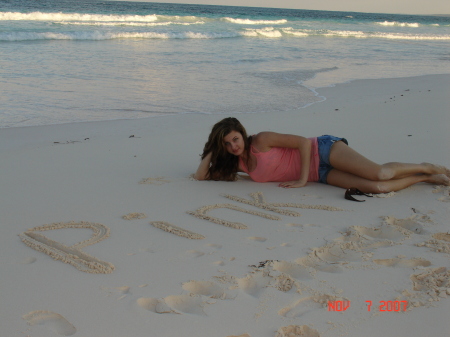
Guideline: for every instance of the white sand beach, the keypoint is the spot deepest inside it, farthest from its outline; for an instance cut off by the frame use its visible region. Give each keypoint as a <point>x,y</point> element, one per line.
<point>104,233</point>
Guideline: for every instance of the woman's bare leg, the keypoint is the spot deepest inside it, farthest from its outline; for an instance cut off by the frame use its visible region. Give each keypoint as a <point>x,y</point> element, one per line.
<point>347,180</point>
<point>345,159</point>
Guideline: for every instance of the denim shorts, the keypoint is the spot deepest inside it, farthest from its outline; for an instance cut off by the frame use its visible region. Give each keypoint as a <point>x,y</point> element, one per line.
<point>325,143</point>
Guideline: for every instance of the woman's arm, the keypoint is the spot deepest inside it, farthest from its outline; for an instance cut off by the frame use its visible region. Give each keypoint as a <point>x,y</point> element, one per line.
<point>266,140</point>
<point>203,169</point>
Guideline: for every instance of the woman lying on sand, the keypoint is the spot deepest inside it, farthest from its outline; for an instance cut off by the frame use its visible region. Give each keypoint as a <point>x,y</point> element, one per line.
<point>295,160</point>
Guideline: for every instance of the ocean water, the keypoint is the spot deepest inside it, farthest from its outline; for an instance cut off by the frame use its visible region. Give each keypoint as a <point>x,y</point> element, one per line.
<point>65,61</point>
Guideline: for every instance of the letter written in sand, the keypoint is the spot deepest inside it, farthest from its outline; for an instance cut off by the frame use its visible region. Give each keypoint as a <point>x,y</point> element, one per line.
<point>260,202</point>
<point>201,214</point>
<point>70,254</point>
<point>165,226</point>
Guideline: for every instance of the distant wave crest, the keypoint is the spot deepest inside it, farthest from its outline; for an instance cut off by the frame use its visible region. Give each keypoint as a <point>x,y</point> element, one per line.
<point>129,24</point>
<point>361,34</point>
<point>255,22</point>
<point>39,16</point>
<point>399,24</point>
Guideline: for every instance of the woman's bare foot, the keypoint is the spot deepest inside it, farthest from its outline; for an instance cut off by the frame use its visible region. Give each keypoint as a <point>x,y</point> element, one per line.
<point>447,171</point>
<point>439,179</point>
<point>436,169</point>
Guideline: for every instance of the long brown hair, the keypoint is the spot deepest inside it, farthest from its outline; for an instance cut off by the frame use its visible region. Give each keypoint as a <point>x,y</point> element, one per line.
<point>224,165</point>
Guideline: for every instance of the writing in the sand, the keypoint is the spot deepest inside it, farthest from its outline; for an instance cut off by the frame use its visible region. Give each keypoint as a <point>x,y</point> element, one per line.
<point>86,263</point>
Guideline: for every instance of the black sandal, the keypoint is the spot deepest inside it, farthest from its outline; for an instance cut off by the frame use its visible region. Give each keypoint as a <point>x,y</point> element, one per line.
<point>354,191</point>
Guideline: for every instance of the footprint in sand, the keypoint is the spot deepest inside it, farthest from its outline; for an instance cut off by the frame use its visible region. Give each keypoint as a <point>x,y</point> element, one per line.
<point>297,331</point>
<point>193,253</point>
<point>413,223</point>
<point>281,275</point>
<point>176,304</point>
<point>122,292</point>
<point>257,238</point>
<point>440,243</point>
<point>307,304</point>
<point>155,305</point>
<point>319,265</point>
<point>206,288</point>
<point>52,321</point>
<point>253,284</point>
<point>382,232</point>
<point>359,238</point>
<point>294,270</point>
<point>188,304</point>
<point>335,253</point>
<point>411,263</point>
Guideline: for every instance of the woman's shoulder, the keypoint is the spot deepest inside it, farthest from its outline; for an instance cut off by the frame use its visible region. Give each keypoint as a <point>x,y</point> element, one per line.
<point>261,141</point>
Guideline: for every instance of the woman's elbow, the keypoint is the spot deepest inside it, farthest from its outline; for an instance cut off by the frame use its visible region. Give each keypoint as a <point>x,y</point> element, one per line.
<point>200,177</point>
<point>304,143</point>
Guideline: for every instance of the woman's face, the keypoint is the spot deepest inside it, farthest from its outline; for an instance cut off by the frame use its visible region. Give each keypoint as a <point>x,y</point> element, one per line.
<point>234,143</point>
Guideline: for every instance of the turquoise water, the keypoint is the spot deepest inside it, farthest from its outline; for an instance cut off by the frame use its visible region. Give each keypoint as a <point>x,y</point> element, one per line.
<point>70,61</point>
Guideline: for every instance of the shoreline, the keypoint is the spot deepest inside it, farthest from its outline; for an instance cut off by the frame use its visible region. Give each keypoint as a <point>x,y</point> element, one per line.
<point>315,89</point>
<point>119,194</point>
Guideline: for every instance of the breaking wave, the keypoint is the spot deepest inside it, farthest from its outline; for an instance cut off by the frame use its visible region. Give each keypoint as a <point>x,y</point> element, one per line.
<point>110,26</point>
<point>131,24</point>
<point>255,22</point>
<point>361,34</point>
<point>267,32</point>
<point>39,16</point>
<point>97,35</point>
<point>399,24</point>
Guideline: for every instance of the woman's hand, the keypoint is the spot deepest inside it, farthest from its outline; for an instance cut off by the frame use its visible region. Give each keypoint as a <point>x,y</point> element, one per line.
<point>203,168</point>
<point>293,184</point>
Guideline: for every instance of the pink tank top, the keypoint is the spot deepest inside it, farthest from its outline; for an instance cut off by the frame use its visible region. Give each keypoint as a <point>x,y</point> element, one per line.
<point>282,164</point>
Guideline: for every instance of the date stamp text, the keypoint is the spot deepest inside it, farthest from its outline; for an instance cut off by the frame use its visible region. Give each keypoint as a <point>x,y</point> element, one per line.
<point>381,306</point>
